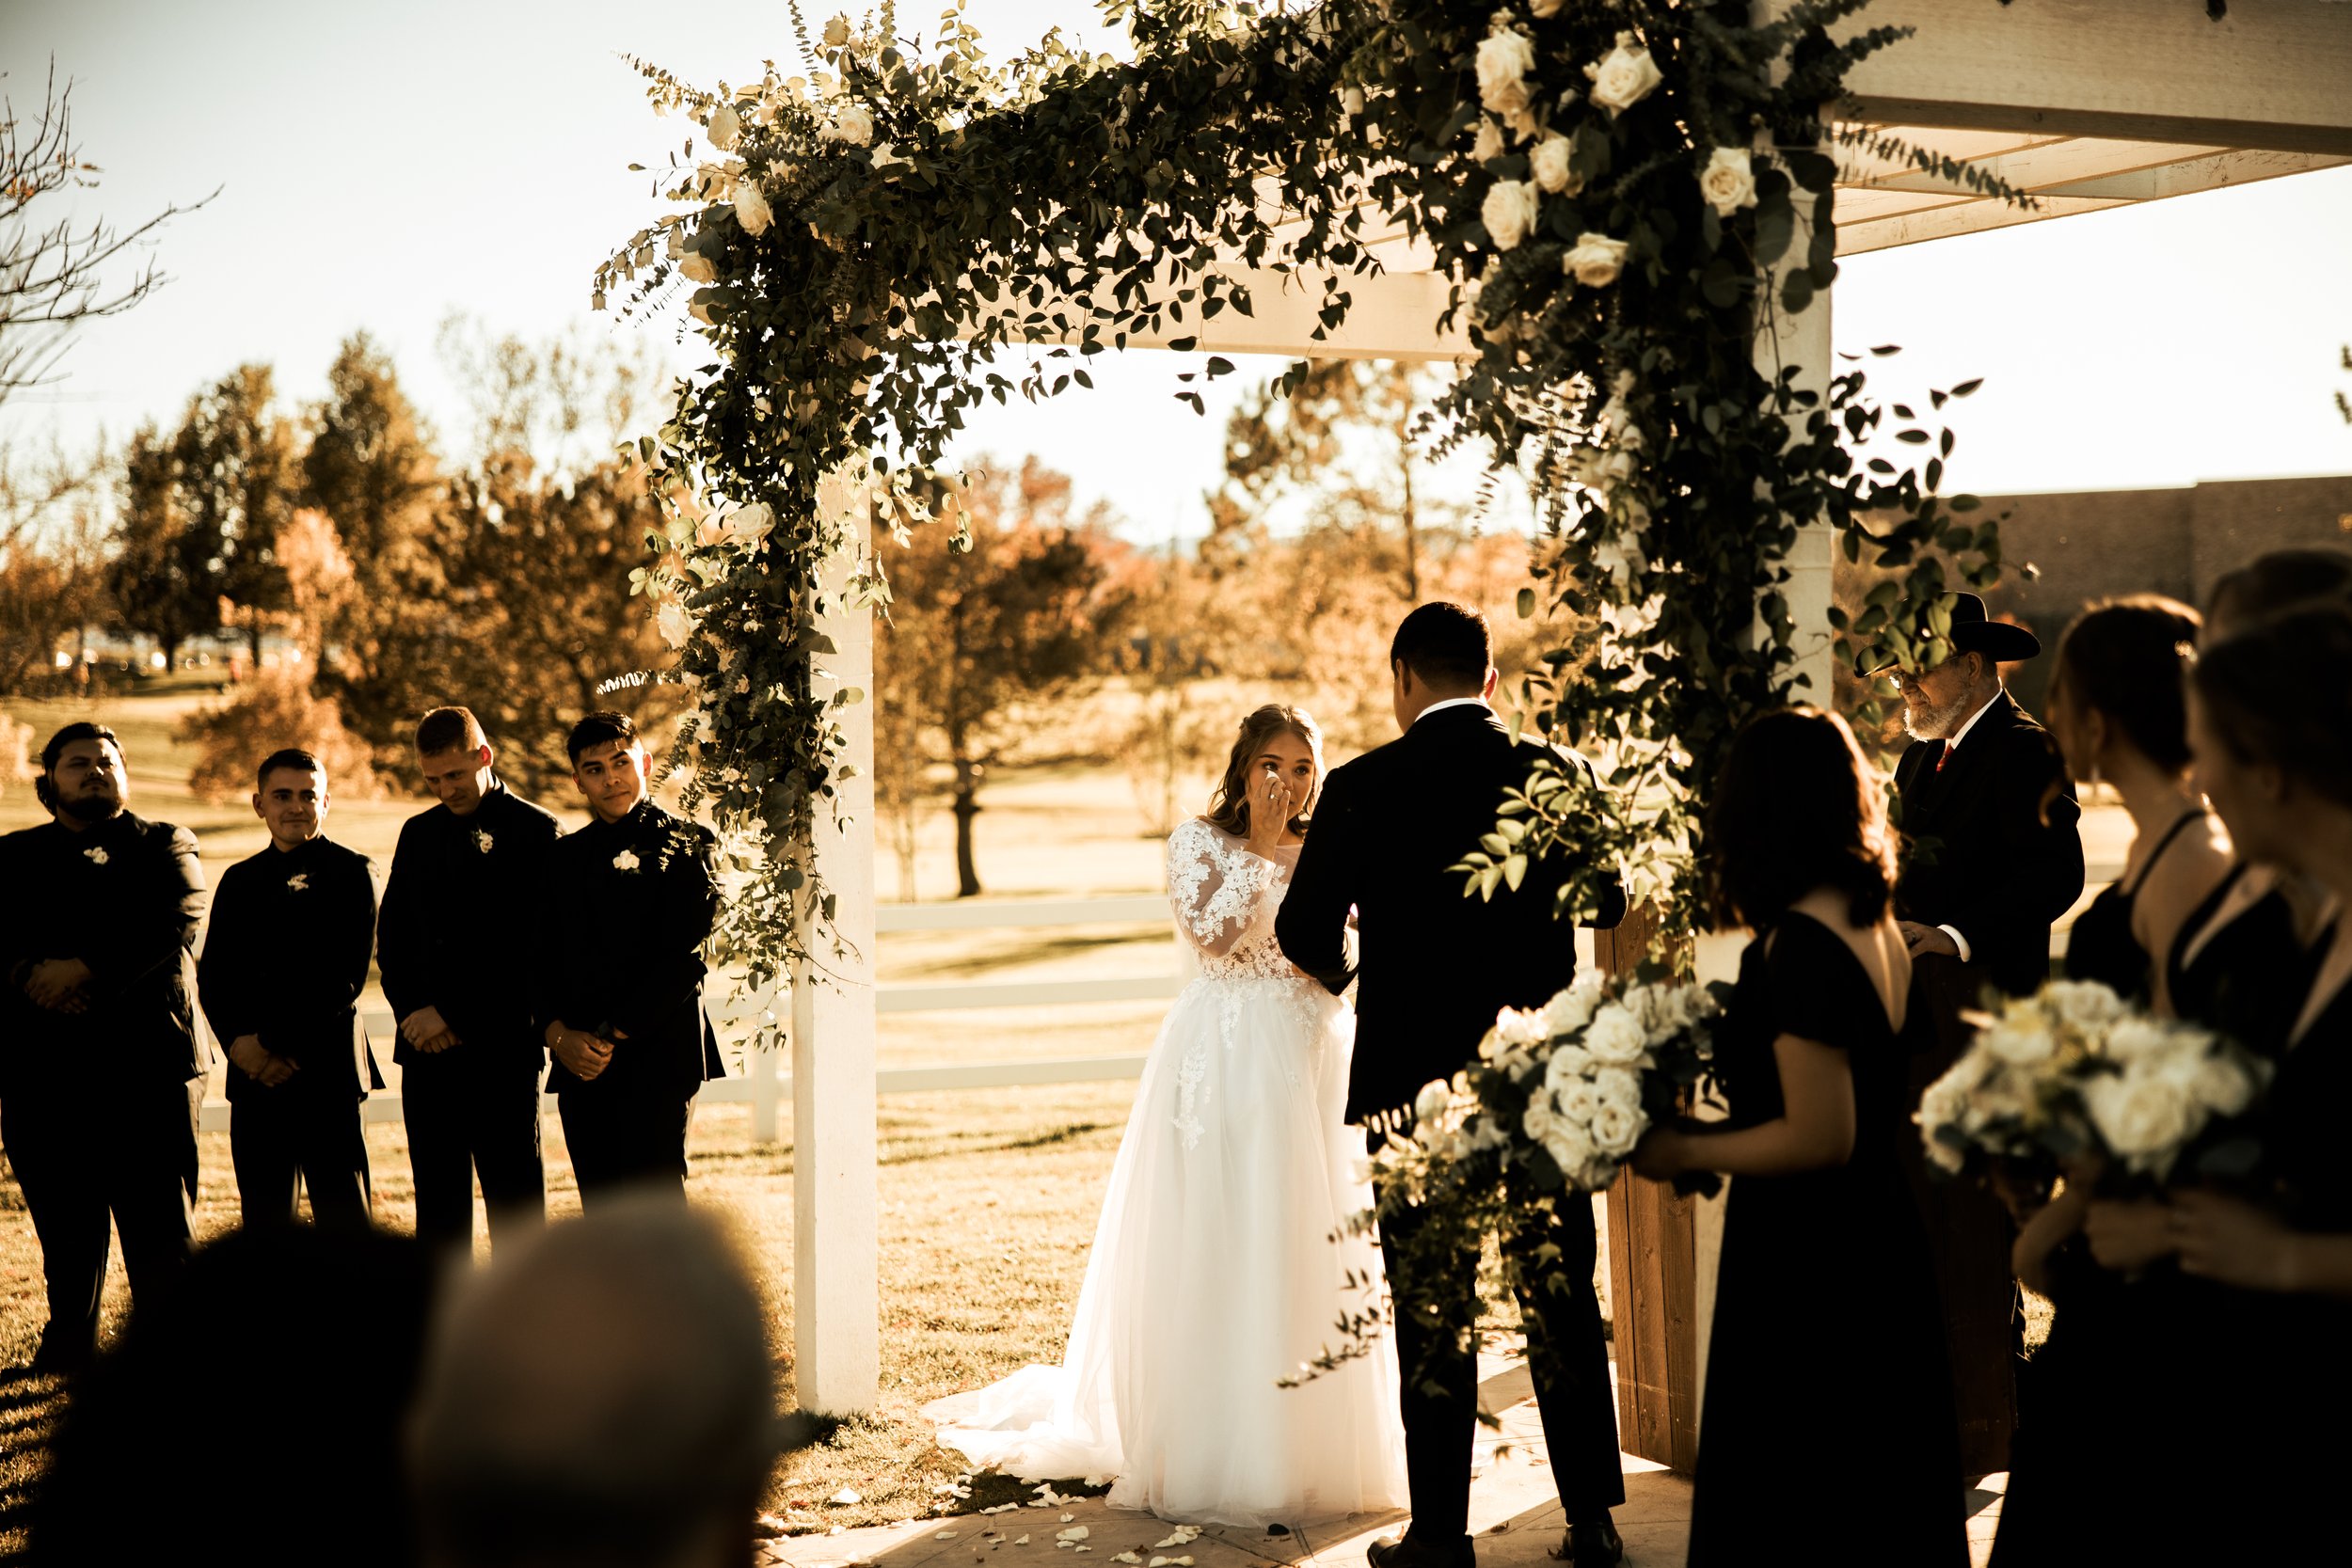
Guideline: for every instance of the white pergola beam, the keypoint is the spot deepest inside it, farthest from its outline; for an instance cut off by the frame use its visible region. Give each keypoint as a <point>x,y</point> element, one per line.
<point>2271,74</point>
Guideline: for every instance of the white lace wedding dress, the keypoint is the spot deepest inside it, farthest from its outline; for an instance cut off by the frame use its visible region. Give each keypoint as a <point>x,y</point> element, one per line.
<point>1215,1271</point>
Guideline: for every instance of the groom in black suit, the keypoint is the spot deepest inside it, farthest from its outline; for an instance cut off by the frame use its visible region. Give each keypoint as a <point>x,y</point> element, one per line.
<point>1435,966</point>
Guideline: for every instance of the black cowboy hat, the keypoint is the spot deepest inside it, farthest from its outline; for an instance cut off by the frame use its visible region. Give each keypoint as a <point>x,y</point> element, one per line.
<point>1974,632</point>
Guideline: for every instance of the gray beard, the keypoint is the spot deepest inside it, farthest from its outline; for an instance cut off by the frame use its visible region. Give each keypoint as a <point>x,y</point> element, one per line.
<point>1937,723</point>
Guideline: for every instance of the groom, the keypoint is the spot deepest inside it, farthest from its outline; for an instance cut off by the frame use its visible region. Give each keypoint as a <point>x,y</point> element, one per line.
<point>1435,966</point>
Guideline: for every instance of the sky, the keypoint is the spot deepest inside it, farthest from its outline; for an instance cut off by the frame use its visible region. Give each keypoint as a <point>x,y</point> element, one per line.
<point>382,167</point>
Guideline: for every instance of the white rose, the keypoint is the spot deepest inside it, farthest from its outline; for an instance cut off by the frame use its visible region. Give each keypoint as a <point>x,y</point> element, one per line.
<point>699,268</point>
<point>1490,1046</point>
<point>1616,1130</point>
<point>752,209</point>
<point>1548,164</point>
<point>1622,558</point>
<point>884,158</point>
<point>1575,1100</point>
<point>1510,212</point>
<point>1570,1061</point>
<point>1594,261</point>
<point>2141,1115</point>
<point>1616,1037</point>
<point>2019,1047</point>
<point>1572,1008</point>
<point>2220,1084</point>
<point>1505,59</point>
<point>1618,1085</point>
<point>1570,1145</point>
<point>1728,182</point>
<point>753,524</point>
<point>1434,1097</point>
<point>1544,10</point>
<point>2135,1038</point>
<point>1625,78</point>
<point>675,623</point>
<point>854,125</point>
<point>1536,1122</point>
<point>1488,142</point>
<point>837,31</point>
<point>726,128</point>
<point>2085,1004</point>
<point>1522,1026</point>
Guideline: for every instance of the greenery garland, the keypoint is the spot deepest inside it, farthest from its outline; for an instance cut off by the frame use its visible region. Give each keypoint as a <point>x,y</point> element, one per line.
<point>860,243</point>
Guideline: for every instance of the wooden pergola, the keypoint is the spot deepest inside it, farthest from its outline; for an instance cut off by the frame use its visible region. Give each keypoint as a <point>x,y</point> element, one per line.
<point>2085,104</point>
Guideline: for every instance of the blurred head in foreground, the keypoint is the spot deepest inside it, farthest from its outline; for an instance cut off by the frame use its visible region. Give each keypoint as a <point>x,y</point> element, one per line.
<point>603,1397</point>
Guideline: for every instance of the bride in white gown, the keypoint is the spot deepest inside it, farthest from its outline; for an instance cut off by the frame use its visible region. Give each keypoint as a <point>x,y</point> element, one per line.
<point>1216,1270</point>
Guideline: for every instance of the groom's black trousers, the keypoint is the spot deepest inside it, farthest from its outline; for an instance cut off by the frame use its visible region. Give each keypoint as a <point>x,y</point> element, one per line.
<point>1567,1359</point>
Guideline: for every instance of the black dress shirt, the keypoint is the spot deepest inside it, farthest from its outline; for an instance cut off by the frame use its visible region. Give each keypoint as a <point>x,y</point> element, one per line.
<point>286,957</point>
<point>460,917</point>
<point>125,897</point>
<point>631,903</point>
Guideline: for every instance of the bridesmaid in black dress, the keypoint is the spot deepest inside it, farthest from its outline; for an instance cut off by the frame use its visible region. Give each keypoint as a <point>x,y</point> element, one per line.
<point>2271,724</point>
<point>2083,1442</point>
<point>1828,1342</point>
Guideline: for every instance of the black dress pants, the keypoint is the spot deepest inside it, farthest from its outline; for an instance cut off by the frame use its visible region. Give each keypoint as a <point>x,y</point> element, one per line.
<point>1567,1360</point>
<point>469,1111</point>
<point>88,1153</point>
<point>298,1135</point>
<point>626,1136</point>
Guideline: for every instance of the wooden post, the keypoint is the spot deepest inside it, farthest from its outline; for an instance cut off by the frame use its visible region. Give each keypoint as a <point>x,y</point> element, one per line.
<point>837,1300</point>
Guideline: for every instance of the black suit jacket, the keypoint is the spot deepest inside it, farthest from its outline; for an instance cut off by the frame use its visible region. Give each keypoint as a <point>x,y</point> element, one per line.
<point>286,957</point>
<point>1996,850</point>
<point>459,909</point>
<point>125,897</point>
<point>1435,965</point>
<point>631,903</point>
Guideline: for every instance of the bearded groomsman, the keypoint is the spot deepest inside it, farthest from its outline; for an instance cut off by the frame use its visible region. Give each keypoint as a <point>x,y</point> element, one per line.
<point>623,975</point>
<point>285,960</point>
<point>1995,857</point>
<point>101,1070</point>
<point>461,911</point>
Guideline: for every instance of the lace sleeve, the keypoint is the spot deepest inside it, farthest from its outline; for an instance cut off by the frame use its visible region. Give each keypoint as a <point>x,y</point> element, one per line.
<point>1216,887</point>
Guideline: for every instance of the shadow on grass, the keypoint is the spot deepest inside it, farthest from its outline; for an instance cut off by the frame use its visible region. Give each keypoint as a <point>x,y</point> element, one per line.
<point>34,1401</point>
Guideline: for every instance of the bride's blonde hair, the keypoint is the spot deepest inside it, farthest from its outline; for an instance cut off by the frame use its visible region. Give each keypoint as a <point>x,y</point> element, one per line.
<point>1229,807</point>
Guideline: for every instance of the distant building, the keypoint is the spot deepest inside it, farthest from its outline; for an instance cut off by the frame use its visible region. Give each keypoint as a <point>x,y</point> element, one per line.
<point>2089,545</point>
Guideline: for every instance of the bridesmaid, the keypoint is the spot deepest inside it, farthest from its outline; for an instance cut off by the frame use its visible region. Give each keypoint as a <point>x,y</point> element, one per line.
<point>2084,1442</point>
<point>2270,722</point>
<point>1828,1336</point>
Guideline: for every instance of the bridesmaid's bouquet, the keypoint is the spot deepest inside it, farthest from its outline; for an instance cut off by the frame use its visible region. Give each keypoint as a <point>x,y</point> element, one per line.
<point>2074,1070</point>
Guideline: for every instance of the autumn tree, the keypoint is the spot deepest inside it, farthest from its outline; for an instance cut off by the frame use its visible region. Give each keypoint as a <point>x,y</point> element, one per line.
<point>52,563</point>
<point>993,621</point>
<point>165,581</point>
<point>238,480</point>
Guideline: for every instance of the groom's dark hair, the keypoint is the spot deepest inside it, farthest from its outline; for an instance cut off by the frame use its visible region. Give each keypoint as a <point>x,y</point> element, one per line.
<point>1445,645</point>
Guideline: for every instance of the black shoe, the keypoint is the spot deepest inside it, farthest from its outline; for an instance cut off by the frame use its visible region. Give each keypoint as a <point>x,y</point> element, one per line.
<point>1591,1544</point>
<point>66,1355</point>
<point>1413,1550</point>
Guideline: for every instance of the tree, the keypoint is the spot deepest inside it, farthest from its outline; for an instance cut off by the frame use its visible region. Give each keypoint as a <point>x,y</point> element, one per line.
<point>51,563</point>
<point>239,481</point>
<point>165,581</point>
<point>995,620</point>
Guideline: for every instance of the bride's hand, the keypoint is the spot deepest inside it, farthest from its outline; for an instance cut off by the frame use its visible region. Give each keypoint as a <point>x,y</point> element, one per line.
<point>1659,1155</point>
<point>1269,811</point>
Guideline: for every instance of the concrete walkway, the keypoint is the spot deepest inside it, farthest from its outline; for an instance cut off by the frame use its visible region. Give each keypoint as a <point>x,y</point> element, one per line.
<point>1514,1515</point>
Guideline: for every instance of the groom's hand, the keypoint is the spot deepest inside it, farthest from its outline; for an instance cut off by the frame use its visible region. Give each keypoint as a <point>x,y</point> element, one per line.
<point>1922,939</point>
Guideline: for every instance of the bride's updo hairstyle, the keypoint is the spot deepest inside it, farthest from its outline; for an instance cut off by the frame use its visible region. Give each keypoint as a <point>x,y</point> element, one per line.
<point>1229,807</point>
<point>1798,808</point>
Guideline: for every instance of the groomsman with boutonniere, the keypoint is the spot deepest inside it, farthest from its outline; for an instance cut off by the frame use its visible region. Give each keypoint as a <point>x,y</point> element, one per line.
<point>454,945</point>
<point>285,960</point>
<point>102,1069</point>
<point>1993,857</point>
<point>623,973</point>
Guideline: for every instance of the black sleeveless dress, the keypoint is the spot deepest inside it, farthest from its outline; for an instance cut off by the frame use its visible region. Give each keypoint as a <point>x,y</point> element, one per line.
<point>2101,948</point>
<point>1828,1336</point>
<point>2249,980</point>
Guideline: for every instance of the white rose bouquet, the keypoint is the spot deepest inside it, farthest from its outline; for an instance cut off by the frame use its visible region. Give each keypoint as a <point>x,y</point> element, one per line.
<point>2073,1072</point>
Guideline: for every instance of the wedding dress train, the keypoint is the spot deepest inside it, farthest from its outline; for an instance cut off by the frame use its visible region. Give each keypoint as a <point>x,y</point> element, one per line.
<point>1217,1266</point>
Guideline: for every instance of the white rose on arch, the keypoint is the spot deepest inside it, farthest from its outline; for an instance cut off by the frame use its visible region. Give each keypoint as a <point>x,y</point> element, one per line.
<point>1728,180</point>
<point>1594,261</point>
<point>699,268</point>
<point>854,126</point>
<point>726,128</point>
<point>1510,212</point>
<point>752,524</point>
<point>1625,77</point>
<point>751,208</point>
<point>675,625</point>
<point>1487,143</point>
<point>1549,165</point>
<point>1505,59</point>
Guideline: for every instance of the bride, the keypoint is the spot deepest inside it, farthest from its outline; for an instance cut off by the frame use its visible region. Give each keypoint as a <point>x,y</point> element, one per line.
<point>1218,1266</point>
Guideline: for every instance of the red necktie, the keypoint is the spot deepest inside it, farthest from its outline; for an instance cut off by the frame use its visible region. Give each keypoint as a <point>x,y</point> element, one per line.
<point>1942,756</point>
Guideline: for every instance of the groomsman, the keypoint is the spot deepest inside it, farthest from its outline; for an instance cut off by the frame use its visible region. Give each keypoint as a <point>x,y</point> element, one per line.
<point>1435,967</point>
<point>101,1066</point>
<point>285,960</point>
<point>1996,858</point>
<point>622,978</point>
<point>460,921</point>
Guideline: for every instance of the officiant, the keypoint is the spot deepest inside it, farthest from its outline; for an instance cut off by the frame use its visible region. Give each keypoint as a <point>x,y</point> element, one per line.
<point>1994,856</point>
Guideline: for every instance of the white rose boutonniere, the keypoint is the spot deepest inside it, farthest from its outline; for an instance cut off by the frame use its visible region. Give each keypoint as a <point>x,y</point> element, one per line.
<point>625,861</point>
<point>96,855</point>
<point>1594,261</point>
<point>1510,212</point>
<point>482,841</point>
<point>298,883</point>
<point>1549,165</point>
<point>1625,77</point>
<point>1728,180</point>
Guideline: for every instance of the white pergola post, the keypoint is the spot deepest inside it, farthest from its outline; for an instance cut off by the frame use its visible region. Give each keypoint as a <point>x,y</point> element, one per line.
<point>836,1299</point>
